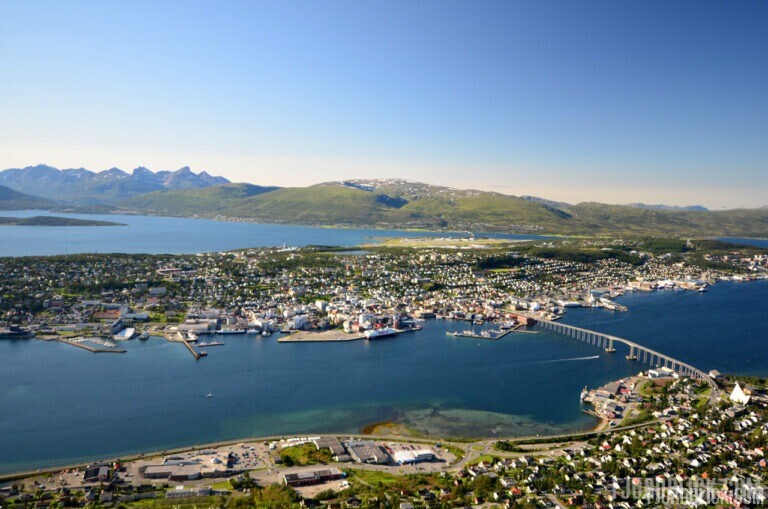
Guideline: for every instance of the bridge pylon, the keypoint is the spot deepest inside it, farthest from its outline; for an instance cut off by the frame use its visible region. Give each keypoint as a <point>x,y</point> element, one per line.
<point>610,348</point>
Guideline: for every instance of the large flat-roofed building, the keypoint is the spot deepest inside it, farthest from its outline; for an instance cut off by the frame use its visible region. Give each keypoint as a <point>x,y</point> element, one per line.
<point>332,444</point>
<point>404,454</point>
<point>174,472</point>
<point>367,451</point>
<point>308,478</point>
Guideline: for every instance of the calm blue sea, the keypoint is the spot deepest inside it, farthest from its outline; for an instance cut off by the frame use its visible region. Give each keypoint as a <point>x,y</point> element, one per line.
<point>746,242</point>
<point>61,404</point>
<point>151,234</point>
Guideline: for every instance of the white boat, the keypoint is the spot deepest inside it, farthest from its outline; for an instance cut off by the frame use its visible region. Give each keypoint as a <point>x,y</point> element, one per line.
<point>144,335</point>
<point>209,395</point>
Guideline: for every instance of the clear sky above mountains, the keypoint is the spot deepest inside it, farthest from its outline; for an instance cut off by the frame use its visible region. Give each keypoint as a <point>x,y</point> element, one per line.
<point>606,101</point>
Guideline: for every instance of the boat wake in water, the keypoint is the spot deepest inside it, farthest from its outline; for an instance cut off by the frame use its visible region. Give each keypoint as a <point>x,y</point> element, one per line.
<point>569,359</point>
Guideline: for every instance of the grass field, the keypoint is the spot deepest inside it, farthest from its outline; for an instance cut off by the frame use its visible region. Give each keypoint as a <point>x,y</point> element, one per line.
<point>305,454</point>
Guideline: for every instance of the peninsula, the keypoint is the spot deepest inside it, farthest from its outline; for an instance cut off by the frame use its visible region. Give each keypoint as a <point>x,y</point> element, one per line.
<point>53,221</point>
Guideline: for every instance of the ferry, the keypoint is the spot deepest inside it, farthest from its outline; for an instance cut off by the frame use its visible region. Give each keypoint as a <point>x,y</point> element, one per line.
<point>232,331</point>
<point>384,332</point>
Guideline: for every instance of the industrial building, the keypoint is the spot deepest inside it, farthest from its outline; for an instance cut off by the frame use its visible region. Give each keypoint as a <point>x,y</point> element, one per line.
<point>367,451</point>
<point>309,478</point>
<point>406,454</point>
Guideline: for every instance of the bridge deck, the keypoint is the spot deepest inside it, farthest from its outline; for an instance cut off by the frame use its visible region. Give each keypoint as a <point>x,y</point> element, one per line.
<point>636,350</point>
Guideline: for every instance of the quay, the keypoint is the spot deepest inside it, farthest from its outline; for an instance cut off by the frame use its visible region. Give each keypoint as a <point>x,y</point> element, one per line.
<point>331,336</point>
<point>93,349</point>
<point>194,352</point>
<point>179,337</point>
<point>474,335</point>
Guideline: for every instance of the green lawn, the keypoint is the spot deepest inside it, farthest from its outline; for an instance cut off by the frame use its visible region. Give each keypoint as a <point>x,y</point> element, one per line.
<point>373,477</point>
<point>305,454</point>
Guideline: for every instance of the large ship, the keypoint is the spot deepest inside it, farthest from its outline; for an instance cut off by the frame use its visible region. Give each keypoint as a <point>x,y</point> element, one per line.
<point>384,332</point>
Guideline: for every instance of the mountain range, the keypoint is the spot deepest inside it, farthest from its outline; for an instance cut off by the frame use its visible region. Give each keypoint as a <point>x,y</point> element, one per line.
<point>385,203</point>
<point>83,187</point>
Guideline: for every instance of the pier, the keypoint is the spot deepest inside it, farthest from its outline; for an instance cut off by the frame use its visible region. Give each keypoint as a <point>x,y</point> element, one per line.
<point>92,349</point>
<point>637,352</point>
<point>475,335</point>
<point>180,337</point>
<point>194,352</point>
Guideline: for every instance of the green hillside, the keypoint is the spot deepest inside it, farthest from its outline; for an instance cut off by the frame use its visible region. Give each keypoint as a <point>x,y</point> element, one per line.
<point>207,201</point>
<point>14,200</point>
<point>598,217</point>
<point>400,204</point>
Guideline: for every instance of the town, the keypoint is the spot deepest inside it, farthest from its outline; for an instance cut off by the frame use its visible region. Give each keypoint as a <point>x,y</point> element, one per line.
<point>96,298</point>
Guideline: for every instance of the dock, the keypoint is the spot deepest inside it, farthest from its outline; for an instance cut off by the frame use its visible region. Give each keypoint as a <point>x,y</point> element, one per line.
<point>332,336</point>
<point>194,352</point>
<point>474,335</point>
<point>90,348</point>
<point>491,336</point>
<point>180,337</point>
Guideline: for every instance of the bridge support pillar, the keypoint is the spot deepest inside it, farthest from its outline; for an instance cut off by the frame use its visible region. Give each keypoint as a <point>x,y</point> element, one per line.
<point>610,348</point>
<point>632,356</point>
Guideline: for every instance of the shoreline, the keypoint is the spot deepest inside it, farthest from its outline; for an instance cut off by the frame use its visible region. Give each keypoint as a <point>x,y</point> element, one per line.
<point>560,438</point>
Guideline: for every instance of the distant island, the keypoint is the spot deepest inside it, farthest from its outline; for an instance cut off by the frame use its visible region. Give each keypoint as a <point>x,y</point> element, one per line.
<point>53,221</point>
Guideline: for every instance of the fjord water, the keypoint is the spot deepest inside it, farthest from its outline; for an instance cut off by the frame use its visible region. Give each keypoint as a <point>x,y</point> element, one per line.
<point>61,404</point>
<point>176,235</point>
<point>725,328</point>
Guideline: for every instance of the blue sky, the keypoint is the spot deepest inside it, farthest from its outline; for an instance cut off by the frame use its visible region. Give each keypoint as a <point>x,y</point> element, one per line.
<point>605,101</point>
